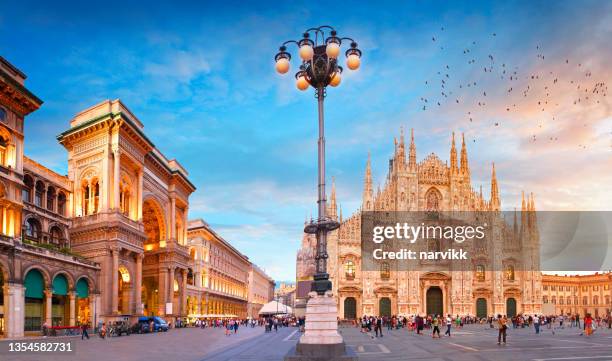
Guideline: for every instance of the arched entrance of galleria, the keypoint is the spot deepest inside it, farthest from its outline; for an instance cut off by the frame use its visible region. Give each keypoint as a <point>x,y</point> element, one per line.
<point>435,301</point>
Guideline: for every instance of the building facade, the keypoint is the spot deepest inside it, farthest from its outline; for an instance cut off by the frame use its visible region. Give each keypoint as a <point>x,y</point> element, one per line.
<point>42,279</point>
<point>285,294</point>
<point>486,285</point>
<point>110,240</point>
<point>220,286</point>
<point>577,294</point>
<point>261,290</point>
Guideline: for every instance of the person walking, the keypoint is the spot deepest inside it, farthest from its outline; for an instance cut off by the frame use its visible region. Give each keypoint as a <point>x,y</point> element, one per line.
<point>84,331</point>
<point>536,324</point>
<point>449,323</point>
<point>502,327</point>
<point>435,322</point>
<point>378,326</point>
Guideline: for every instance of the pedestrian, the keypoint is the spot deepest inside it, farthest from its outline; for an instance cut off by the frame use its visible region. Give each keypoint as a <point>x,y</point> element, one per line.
<point>435,322</point>
<point>536,324</point>
<point>449,322</point>
<point>502,327</point>
<point>378,326</point>
<point>84,331</point>
<point>588,324</point>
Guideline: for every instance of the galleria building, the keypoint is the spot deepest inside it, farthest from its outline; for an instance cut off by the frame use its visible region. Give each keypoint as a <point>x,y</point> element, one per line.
<point>503,278</point>
<point>111,240</point>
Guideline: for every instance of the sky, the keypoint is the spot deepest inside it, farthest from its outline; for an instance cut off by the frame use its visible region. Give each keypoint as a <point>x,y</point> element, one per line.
<point>200,76</point>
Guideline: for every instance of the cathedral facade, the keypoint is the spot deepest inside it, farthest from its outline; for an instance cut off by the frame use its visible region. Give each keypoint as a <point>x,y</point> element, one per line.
<point>502,278</point>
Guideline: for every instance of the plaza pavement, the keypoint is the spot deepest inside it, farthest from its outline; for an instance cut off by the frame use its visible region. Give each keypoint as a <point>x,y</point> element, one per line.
<point>473,342</point>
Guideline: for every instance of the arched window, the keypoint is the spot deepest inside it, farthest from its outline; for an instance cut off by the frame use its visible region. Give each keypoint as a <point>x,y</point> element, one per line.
<point>61,204</point>
<point>57,236</point>
<point>433,245</point>
<point>595,300</point>
<point>569,300</point>
<point>86,195</point>
<point>560,300</point>
<point>349,270</point>
<point>433,200</point>
<point>38,194</point>
<point>26,191</point>
<point>32,229</point>
<point>190,279</point>
<point>545,299</point>
<point>553,300</point>
<point>607,300</point>
<point>385,273</point>
<point>510,272</point>
<point>585,300</point>
<point>50,198</point>
<point>480,273</point>
<point>3,150</point>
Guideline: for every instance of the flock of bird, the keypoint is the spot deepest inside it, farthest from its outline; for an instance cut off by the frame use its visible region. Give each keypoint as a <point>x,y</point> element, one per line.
<point>541,90</point>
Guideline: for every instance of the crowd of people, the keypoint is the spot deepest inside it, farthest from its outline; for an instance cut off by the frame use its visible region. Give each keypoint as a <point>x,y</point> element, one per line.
<point>435,323</point>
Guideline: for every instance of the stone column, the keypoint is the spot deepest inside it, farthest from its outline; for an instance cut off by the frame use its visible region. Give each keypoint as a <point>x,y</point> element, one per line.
<point>115,281</point>
<point>93,310</point>
<point>162,291</point>
<point>72,298</point>
<point>183,294</point>
<point>116,177</point>
<point>4,221</point>
<point>14,309</point>
<point>138,284</point>
<point>170,289</point>
<point>48,310</point>
<point>140,193</point>
<point>173,217</point>
<point>198,279</point>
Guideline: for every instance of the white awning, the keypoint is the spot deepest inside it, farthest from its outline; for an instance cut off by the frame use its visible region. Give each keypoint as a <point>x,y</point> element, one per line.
<point>275,308</point>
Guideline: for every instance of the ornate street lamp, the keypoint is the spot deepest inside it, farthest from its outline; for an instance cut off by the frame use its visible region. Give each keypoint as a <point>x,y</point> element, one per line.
<point>318,69</point>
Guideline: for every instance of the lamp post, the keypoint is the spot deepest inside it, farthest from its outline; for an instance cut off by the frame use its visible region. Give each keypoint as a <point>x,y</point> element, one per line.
<point>319,69</point>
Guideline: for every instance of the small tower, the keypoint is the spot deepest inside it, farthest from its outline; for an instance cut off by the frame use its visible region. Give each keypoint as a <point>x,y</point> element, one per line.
<point>332,210</point>
<point>412,165</point>
<point>465,169</point>
<point>368,191</point>
<point>495,202</point>
<point>453,156</point>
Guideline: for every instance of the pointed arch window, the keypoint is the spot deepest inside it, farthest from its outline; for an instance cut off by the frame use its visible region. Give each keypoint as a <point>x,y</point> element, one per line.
<point>349,270</point>
<point>385,272</point>
<point>480,273</point>
<point>509,273</point>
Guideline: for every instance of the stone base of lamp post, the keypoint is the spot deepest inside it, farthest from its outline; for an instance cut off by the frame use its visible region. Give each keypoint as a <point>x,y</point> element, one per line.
<point>321,340</point>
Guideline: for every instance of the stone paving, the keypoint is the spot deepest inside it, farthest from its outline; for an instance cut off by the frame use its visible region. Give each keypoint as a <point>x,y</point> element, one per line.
<point>473,342</point>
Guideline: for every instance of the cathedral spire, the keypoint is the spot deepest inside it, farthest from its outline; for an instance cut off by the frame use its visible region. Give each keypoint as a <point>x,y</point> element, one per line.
<point>465,169</point>
<point>400,156</point>
<point>495,203</point>
<point>453,156</point>
<point>412,152</point>
<point>332,201</point>
<point>368,196</point>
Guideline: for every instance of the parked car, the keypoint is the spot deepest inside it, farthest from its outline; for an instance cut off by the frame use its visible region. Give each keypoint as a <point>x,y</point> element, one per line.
<point>121,327</point>
<point>142,326</point>
<point>159,324</point>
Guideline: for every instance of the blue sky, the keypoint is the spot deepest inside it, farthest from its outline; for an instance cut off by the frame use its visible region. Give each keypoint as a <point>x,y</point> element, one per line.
<point>200,77</point>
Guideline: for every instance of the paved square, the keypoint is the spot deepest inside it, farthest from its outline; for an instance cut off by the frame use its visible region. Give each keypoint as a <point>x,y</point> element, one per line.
<point>473,342</point>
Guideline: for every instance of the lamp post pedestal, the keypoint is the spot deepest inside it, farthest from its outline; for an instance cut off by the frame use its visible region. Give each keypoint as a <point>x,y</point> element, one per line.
<point>321,340</point>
